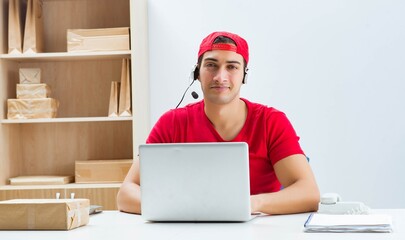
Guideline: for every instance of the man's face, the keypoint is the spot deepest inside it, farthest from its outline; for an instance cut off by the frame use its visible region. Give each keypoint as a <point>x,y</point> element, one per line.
<point>221,75</point>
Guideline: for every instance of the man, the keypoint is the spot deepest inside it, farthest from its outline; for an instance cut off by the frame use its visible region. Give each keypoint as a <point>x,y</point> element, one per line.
<point>275,156</point>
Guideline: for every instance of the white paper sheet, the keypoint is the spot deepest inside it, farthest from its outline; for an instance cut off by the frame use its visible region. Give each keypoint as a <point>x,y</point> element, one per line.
<point>348,223</point>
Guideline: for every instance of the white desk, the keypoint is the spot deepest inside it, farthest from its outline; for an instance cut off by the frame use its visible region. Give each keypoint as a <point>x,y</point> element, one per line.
<point>114,225</point>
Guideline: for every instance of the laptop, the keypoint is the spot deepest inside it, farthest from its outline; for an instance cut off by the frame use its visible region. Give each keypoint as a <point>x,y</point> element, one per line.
<point>195,182</point>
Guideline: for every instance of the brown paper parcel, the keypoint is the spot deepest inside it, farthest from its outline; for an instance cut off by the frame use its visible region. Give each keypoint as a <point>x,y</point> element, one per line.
<point>32,108</point>
<point>33,33</point>
<point>101,171</point>
<point>114,99</point>
<point>124,108</point>
<point>27,91</point>
<point>44,214</point>
<point>15,33</point>
<point>101,39</point>
<point>30,75</point>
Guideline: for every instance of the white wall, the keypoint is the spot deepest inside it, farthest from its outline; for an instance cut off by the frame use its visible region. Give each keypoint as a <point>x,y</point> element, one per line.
<point>335,67</point>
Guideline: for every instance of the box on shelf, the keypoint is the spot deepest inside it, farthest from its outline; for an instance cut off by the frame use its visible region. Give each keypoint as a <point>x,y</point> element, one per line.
<point>44,214</point>
<point>30,75</point>
<point>101,39</point>
<point>32,108</point>
<point>40,180</point>
<point>37,90</point>
<point>101,171</point>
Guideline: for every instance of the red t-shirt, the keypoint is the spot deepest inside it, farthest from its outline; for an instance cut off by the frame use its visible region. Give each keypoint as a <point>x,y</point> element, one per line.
<point>267,131</point>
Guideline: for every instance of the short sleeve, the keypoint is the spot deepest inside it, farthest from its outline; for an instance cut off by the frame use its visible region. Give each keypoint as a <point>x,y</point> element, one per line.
<point>283,140</point>
<point>162,131</point>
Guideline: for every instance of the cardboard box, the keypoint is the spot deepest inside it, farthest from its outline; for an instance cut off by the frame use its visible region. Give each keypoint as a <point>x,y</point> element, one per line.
<point>37,90</point>
<point>101,39</point>
<point>41,180</point>
<point>30,75</point>
<point>101,171</point>
<point>45,214</point>
<point>32,108</point>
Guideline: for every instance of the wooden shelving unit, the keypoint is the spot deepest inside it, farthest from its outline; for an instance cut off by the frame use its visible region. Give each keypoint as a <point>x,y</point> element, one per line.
<point>81,83</point>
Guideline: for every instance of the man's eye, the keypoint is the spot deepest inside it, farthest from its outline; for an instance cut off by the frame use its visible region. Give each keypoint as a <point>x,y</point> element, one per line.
<point>232,67</point>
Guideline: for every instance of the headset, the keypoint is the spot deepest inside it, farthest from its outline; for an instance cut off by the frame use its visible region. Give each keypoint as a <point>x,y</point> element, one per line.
<point>195,72</point>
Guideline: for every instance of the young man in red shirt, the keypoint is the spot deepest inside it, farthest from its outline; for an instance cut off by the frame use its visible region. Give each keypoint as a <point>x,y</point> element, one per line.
<point>275,156</point>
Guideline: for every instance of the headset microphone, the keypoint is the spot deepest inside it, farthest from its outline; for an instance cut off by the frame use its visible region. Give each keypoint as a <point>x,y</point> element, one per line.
<point>194,75</point>
<point>194,94</point>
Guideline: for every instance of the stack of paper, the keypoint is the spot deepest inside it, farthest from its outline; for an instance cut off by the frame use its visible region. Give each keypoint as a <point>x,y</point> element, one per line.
<point>348,223</point>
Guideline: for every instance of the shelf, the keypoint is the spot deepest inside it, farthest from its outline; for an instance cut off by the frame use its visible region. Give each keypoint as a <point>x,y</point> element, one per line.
<point>66,120</point>
<point>65,56</point>
<point>60,186</point>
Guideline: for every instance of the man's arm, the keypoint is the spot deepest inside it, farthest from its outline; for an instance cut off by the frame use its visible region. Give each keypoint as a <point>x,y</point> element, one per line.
<point>129,195</point>
<point>300,192</point>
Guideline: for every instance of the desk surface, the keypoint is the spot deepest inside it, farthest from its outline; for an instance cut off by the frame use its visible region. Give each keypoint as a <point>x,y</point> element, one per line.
<point>117,225</point>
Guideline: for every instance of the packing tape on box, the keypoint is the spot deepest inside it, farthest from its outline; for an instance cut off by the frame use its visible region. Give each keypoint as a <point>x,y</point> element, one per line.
<point>72,213</point>
<point>76,213</point>
<point>38,91</point>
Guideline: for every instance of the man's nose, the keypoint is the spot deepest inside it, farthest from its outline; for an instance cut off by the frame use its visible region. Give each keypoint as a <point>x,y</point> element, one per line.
<point>221,75</point>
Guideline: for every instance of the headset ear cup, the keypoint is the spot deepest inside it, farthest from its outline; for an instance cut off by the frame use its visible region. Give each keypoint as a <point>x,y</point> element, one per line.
<point>196,73</point>
<point>245,76</point>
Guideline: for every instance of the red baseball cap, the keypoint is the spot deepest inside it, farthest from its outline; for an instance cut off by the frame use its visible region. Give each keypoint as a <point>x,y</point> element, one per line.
<point>208,44</point>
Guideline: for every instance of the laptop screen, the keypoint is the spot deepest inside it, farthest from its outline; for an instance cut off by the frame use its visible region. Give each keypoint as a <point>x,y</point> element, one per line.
<point>195,182</point>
